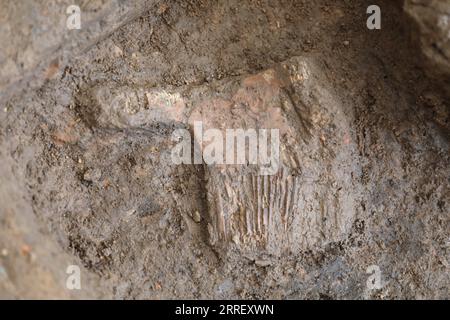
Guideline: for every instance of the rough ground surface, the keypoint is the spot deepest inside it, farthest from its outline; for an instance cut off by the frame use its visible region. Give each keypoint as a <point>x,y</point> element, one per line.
<point>86,137</point>
<point>432,22</point>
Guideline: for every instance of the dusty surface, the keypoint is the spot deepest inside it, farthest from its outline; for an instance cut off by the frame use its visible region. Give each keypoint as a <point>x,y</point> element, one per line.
<point>85,147</point>
<point>433,31</point>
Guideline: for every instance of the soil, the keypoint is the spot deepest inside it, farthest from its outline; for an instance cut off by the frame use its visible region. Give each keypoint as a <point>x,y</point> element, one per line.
<point>87,180</point>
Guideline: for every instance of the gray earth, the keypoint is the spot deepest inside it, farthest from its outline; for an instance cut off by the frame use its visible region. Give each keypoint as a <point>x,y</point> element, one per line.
<point>86,135</point>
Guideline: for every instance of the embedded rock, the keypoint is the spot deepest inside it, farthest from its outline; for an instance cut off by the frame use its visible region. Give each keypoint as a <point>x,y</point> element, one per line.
<point>307,198</point>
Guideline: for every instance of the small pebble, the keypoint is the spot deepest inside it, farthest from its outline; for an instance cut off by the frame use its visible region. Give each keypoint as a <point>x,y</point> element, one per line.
<point>92,175</point>
<point>346,43</point>
<point>196,216</point>
<point>118,52</point>
<point>5,252</point>
<point>25,250</point>
<point>3,273</point>
<point>262,263</point>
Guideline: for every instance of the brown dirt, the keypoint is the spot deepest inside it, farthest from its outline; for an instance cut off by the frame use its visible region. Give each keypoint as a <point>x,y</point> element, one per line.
<point>87,181</point>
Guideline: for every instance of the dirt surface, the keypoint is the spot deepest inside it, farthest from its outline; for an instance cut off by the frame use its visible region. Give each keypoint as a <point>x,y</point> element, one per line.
<point>87,180</point>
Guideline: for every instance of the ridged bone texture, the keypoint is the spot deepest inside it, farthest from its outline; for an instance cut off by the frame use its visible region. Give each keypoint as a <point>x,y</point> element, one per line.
<point>309,201</point>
